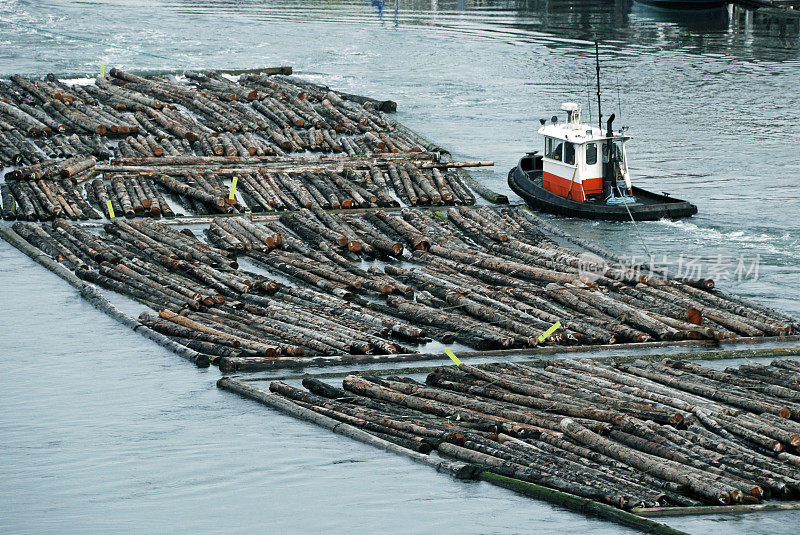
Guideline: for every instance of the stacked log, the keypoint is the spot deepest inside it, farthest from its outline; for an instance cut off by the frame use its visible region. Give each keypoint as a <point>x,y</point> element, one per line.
<point>277,184</point>
<point>624,435</point>
<point>41,193</point>
<point>491,266</point>
<point>205,302</point>
<point>483,277</point>
<point>142,110</point>
<point>211,116</point>
<point>200,189</point>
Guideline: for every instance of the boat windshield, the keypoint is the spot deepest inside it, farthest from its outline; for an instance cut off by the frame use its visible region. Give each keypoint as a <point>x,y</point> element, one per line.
<point>553,148</point>
<point>621,157</point>
<point>591,153</point>
<point>619,154</point>
<point>569,153</point>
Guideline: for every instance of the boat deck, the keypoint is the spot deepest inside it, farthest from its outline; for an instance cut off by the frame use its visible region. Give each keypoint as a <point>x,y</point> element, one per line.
<point>649,206</point>
<point>643,198</point>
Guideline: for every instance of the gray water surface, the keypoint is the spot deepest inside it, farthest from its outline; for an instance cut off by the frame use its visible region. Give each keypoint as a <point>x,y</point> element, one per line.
<point>102,431</point>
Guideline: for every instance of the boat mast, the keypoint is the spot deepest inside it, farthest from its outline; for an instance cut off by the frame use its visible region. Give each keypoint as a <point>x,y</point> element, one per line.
<point>597,60</point>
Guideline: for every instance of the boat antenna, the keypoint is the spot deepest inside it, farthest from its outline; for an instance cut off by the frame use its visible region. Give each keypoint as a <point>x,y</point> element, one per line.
<point>597,61</point>
<point>619,101</point>
<point>589,96</point>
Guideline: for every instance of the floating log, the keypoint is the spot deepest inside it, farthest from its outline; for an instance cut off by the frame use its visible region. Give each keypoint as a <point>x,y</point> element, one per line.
<point>483,286</point>
<point>241,127</point>
<point>508,420</point>
<point>484,277</point>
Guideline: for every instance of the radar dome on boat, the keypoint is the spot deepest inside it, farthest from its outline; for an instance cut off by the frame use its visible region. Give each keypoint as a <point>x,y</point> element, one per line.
<point>573,111</point>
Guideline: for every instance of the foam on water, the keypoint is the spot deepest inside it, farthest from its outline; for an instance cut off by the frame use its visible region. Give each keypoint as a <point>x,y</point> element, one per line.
<point>783,245</point>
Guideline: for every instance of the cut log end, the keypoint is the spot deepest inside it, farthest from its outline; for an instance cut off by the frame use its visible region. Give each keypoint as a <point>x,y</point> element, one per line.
<point>694,316</point>
<point>455,438</point>
<point>421,244</point>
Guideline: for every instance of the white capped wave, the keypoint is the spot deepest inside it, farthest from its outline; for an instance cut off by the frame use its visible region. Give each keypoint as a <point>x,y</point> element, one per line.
<point>778,244</point>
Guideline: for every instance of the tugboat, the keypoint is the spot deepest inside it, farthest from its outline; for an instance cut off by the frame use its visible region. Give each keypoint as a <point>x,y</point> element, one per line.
<point>584,173</point>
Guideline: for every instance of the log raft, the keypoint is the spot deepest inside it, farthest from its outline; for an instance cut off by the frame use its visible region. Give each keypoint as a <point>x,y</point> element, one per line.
<point>186,140</point>
<point>338,287</point>
<point>375,249</point>
<point>597,431</point>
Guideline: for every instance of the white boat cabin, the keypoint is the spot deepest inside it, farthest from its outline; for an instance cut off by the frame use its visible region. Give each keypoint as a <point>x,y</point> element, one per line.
<point>573,158</point>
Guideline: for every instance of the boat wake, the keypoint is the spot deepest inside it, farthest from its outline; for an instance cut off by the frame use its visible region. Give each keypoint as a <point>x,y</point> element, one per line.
<point>781,244</point>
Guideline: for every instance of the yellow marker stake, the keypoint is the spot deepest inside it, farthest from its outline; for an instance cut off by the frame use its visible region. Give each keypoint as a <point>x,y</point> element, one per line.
<point>102,70</point>
<point>545,335</point>
<point>452,356</point>
<point>110,210</point>
<point>233,187</point>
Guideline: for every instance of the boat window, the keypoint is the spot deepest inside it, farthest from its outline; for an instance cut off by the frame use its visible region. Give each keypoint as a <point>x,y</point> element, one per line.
<point>591,153</point>
<point>569,153</point>
<point>552,149</point>
<point>618,153</point>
